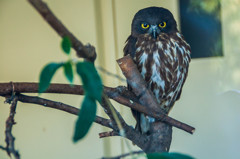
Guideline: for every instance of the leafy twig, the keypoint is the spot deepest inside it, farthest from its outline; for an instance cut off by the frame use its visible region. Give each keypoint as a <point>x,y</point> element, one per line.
<point>87,52</point>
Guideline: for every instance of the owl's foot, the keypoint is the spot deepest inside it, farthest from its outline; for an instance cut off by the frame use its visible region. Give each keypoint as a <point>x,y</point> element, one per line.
<point>145,123</point>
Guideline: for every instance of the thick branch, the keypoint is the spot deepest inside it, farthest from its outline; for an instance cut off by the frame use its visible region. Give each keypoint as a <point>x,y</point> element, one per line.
<point>138,84</point>
<point>146,97</point>
<point>10,146</point>
<point>87,52</point>
<point>160,134</point>
<point>119,94</point>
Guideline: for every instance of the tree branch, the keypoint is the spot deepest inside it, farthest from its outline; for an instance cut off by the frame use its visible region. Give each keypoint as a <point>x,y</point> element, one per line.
<point>146,97</point>
<point>87,52</point>
<point>158,130</point>
<point>110,111</point>
<point>3,148</point>
<point>47,14</point>
<point>108,134</point>
<point>10,146</point>
<point>60,106</point>
<point>130,133</point>
<point>119,94</point>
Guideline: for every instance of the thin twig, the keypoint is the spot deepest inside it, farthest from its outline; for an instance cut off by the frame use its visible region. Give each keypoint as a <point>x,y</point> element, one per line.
<point>113,114</point>
<point>10,146</point>
<point>131,133</point>
<point>124,155</point>
<point>3,148</point>
<point>60,106</point>
<point>108,134</point>
<point>100,68</point>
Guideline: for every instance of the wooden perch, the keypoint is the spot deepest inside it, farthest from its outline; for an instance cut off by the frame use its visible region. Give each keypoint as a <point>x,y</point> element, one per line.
<point>119,94</point>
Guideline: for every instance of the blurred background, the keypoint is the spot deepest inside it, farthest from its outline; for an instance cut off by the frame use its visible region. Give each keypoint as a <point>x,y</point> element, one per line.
<point>210,99</point>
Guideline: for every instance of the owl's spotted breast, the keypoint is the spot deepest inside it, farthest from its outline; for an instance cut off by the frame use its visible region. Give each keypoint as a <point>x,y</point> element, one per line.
<point>163,63</point>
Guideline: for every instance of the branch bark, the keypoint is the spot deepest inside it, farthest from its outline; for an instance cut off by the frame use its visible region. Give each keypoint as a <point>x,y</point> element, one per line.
<point>108,134</point>
<point>119,94</point>
<point>9,139</point>
<point>60,106</point>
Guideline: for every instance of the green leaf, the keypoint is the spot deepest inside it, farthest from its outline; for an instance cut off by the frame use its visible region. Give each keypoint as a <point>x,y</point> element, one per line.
<point>168,156</point>
<point>46,75</point>
<point>66,44</point>
<point>85,119</point>
<point>68,71</point>
<point>92,83</point>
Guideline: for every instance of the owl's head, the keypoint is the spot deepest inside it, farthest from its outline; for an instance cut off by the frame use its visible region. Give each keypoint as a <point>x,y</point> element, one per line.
<point>153,21</point>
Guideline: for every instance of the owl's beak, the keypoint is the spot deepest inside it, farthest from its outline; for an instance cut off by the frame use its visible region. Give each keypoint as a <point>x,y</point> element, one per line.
<point>154,31</point>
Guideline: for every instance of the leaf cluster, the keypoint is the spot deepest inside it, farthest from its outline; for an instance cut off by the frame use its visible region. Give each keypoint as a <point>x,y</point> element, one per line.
<point>92,85</point>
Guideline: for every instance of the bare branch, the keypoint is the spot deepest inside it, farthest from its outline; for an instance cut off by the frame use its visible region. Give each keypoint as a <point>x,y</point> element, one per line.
<point>10,146</point>
<point>160,134</point>
<point>119,94</point>
<point>108,134</point>
<point>113,114</point>
<point>130,133</point>
<point>87,52</point>
<point>138,84</point>
<point>3,148</point>
<point>60,106</point>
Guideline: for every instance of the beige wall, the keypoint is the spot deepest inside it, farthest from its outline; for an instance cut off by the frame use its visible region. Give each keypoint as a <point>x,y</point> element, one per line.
<point>27,43</point>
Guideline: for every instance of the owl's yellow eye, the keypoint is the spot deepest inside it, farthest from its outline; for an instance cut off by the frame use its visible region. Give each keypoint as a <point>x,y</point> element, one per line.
<point>162,24</point>
<point>144,25</point>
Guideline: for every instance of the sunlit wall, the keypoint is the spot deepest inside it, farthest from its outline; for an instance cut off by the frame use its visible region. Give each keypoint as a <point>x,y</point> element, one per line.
<point>209,102</point>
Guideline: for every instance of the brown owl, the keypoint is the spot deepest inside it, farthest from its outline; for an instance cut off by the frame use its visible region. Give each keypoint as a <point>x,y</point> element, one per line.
<point>161,55</point>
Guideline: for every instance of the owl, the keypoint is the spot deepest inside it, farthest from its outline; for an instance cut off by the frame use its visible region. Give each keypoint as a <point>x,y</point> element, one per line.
<point>162,57</point>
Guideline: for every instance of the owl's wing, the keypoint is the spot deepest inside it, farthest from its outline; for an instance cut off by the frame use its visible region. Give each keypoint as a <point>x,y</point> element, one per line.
<point>130,46</point>
<point>130,49</point>
<point>179,95</point>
